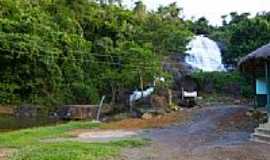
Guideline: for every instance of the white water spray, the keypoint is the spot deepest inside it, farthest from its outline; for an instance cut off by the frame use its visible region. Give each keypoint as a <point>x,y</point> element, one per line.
<point>204,54</point>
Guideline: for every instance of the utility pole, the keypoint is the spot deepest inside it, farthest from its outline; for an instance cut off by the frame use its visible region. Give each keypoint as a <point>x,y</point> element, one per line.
<point>141,82</point>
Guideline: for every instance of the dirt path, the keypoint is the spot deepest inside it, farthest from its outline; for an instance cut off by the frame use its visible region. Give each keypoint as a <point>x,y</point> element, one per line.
<point>4,153</point>
<point>216,133</point>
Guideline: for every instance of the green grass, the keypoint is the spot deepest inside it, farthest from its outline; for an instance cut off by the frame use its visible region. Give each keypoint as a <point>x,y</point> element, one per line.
<point>29,145</point>
<point>34,135</point>
<point>73,150</point>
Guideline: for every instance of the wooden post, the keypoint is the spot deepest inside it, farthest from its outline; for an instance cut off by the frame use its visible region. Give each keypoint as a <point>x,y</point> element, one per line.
<point>182,95</point>
<point>100,107</point>
<point>141,83</point>
<point>254,87</point>
<point>131,107</point>
<point>267,85</point>
<point>170,97</point>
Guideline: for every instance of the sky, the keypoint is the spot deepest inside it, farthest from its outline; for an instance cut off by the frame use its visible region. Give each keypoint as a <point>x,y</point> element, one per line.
<point>211,9</point>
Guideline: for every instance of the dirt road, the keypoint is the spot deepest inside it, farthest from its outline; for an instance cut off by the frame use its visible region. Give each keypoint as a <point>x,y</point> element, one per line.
<point>216,133</point>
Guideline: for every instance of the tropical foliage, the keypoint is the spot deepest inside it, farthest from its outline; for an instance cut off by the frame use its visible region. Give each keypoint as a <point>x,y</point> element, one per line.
<point>242,35</point>
<point>66,51</point>
<point>226,83</point>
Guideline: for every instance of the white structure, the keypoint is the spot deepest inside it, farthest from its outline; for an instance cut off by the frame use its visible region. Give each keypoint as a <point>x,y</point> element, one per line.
<point>136,95</point>
<point>204,54</point>
<point>190,94</point>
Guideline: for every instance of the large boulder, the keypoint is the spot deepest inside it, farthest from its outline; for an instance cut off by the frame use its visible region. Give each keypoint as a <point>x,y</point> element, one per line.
<point>159,101</point>
<point>181,71</point>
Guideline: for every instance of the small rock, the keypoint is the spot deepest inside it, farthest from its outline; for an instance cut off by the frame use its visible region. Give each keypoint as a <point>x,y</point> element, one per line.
<point>159,117</point>
<point>200,98</point>
<point>147,116</point>
<point>237,101</point>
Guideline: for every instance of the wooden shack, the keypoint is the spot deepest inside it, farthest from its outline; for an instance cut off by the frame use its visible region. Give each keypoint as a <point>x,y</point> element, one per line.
<point>7,110</point>
<point>77,112</point>
<point>257,64</point>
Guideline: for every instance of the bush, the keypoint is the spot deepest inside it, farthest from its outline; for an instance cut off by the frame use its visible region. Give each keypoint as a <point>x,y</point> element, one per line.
<point>224,82</point>
<point>7,93</point>
<point>51,49</point>
<point>84,93</point>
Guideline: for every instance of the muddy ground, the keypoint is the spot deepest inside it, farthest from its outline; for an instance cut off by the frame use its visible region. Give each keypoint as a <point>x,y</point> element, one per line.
<point>214,133</point>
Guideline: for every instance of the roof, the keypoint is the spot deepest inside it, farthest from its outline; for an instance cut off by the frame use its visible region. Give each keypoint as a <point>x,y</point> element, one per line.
<point>255,60</point>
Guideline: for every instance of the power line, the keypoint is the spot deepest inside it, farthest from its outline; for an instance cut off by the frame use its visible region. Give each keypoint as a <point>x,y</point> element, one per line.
<point>90,61</point>
<point>80,52</point>
<point>134,66</point>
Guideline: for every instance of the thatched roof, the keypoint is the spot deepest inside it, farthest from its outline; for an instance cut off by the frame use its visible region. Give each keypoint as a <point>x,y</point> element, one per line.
<point>255,61</point>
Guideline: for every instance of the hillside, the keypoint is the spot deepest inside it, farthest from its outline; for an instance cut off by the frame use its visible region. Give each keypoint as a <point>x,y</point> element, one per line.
<point>62,51</point>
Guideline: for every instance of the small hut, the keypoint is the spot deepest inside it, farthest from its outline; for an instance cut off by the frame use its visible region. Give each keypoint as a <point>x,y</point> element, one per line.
<point>257,64</point>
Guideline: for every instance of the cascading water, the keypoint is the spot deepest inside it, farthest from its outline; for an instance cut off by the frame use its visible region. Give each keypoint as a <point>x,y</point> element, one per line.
<point>204,54</point>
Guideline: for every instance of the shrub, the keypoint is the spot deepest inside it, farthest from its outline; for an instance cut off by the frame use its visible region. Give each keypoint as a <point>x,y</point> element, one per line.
<point>224,82</point>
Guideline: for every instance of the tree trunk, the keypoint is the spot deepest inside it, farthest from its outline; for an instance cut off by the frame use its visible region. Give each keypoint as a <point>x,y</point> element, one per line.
<point>141,83</point>
<point>114,90</point>
<point>170,97</point>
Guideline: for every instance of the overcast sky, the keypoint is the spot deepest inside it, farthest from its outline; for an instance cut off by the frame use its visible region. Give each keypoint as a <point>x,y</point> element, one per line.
<point>212,9</point>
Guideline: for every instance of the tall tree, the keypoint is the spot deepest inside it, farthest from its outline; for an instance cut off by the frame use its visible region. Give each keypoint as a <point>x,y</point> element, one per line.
<point>140,9</point>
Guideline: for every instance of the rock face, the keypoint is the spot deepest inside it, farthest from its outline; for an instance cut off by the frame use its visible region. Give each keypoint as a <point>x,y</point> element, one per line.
<point>176,65</point>
<point>159,101</point>
<point>181,71</point>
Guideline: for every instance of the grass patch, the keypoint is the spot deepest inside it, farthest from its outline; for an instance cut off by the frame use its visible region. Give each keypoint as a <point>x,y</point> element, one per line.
<point>73,150</point>
<point>29,146</point>
<point>33,135</point>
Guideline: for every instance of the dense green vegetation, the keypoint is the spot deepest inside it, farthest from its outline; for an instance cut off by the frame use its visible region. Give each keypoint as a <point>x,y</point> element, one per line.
<point>30,144</point>
<point>226,83</point>
<point>32,136</point>
<point>63,51</point>
<point>239,35</point>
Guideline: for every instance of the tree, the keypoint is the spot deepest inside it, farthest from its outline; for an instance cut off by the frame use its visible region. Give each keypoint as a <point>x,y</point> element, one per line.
<point>140,9</point>
<point>64,51</point>
<point>171,11</point>
<point>241,35</point>
<point>201,26</point>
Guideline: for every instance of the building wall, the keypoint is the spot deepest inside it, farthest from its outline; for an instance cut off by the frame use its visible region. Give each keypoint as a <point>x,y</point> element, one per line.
<point>261,87</point>
<point>261,92</point>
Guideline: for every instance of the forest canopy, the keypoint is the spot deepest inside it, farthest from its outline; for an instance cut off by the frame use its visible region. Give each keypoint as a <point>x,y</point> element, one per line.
<point>66,51</point>
<point>239,35</point>
<point>74,51</point>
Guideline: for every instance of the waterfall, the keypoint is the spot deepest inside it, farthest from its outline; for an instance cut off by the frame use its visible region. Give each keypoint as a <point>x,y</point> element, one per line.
<point>204,54</point>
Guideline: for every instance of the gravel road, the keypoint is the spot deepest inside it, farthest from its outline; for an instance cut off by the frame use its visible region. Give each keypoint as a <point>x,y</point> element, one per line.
<point>214,133</point>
